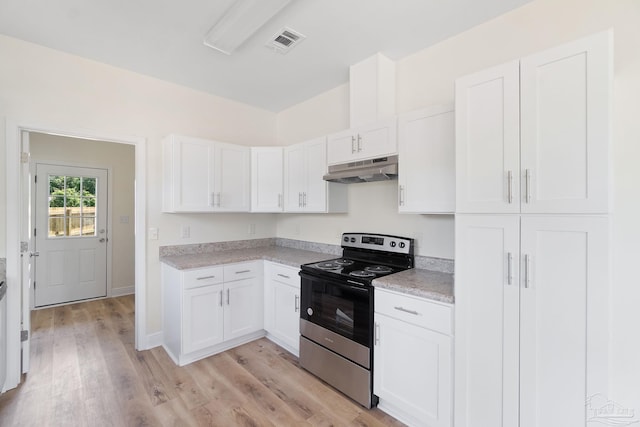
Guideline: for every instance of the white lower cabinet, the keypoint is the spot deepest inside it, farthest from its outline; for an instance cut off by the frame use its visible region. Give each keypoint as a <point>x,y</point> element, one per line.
<point>413,359</point>
<point>531,320</point>
<point>209,310</point>
<point>282,305</point>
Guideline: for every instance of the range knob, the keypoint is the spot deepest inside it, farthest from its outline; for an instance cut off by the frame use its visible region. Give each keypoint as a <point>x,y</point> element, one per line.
<point>346,239</point>
<point>310,311</point>
<point>392,244</point>
<point>402,245</point>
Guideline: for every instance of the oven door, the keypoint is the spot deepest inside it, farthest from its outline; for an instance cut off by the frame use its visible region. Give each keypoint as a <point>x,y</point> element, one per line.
<point>343,308</point>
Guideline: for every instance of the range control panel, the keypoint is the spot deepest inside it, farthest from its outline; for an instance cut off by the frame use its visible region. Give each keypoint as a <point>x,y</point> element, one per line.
<point>378,242</point>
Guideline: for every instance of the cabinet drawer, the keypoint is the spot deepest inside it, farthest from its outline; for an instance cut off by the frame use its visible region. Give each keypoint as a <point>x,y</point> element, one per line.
<point>284,274</point>
<point>417,311</point>
<point>202,277</point>
<point>241,271</point>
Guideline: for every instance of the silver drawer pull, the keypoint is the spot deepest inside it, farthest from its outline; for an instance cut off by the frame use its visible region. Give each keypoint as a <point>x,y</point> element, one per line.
<point>284,275</point>
<point>243,271</point>
<point>415,313</point>
<point>297,304</point>
<point>206,277</point>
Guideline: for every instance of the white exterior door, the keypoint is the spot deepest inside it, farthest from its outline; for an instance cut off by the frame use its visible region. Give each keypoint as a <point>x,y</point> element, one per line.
<point>70,234</point>
<point>563,320</point>
<point>565,123</point>
<point>486,318</point>
<point>488,141</point>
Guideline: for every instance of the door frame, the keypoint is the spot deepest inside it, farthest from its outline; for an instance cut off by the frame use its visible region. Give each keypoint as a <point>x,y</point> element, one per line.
<point>109,224</point>
<point>14,128</point>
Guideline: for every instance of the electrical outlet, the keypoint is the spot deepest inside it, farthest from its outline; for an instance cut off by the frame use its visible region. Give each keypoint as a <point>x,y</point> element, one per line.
<point>153,233</point>
<point>186,232</point>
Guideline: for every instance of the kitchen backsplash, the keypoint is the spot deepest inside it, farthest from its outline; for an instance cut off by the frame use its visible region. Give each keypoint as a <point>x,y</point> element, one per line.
<point>422,262</point>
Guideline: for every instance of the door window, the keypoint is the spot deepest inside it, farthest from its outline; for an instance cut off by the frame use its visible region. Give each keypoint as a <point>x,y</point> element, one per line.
<point>72,206</point>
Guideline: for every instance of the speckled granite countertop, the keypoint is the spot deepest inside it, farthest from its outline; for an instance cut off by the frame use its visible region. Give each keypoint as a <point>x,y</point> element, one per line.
<point>428,284</point>
<point>282,255</point>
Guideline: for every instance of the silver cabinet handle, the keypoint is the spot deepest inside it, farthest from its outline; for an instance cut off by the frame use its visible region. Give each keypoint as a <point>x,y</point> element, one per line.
<point>376,334</point>
<point>415,313</point>
<point>212,200</point>
<point>509,268</point>
<point>509,187</point>
<point>32,254</point>
<point>527,185</point>
<point>353,144</point>
<point>527,272</point>
<point>299,200</point>
<point>304,199</point>
<point>297,304</point>
<point>243,271</point>
<point>279,200</point>
<point>219,200</point>
<point>359,143</point>
<point>205,277</point>
<point>401,195</point>
<point>227,296</point>
<point>220,298</point>
<point>284,275</point>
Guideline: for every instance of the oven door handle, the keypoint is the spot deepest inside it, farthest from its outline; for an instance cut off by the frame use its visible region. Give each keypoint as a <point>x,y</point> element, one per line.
<point>358,288</point>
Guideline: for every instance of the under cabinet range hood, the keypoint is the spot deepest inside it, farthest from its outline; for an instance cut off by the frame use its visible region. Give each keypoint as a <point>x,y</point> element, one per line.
<point>381,169</point>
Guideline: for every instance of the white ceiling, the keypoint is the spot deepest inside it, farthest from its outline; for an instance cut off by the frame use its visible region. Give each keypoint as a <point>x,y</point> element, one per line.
<point>164,39</point>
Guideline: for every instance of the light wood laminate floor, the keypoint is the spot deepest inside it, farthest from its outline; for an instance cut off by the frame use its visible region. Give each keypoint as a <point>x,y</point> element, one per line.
<point>85,372</point>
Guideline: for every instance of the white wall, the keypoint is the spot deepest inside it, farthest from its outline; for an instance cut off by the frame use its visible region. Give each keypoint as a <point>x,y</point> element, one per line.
<point>45,87</point>
<point>119,159</point>
<point>427,78</point>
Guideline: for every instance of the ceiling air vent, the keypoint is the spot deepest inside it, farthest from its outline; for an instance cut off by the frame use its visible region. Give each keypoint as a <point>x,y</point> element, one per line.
<point>284,40</point>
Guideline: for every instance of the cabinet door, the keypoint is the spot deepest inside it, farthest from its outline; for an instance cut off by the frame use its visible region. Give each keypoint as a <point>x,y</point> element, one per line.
<point>566,110</point>
<point>342,147</point>
<point>243,307</point>
<point>202,317</point>
<point>295,166</point>
<point>191,165</point>
<point>286,315</point>
<point>232,173</point>
<point>488,141</point>
<point>377,140</point>
<point>486,319</point>
<point>266,179</point>
<point>563,321</point>
<point>315,195</point>
<point>427,161</point>
<point>412,371</point>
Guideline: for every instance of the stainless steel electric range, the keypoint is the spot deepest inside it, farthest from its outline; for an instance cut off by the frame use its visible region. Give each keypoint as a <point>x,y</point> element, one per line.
<point>336,316</point>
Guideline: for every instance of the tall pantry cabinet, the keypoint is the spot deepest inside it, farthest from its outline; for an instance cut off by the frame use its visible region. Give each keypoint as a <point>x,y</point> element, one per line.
<point>532,237</point>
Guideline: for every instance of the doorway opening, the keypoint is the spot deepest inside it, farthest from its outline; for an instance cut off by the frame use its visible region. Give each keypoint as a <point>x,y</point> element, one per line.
<point>18,248</point>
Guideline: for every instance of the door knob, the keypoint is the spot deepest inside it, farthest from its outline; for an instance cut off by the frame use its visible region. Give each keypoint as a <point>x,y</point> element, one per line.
<point>102,240</point>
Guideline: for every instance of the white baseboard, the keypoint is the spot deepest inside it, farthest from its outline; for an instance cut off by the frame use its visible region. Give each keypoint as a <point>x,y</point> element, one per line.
<point>125,290</point>
<point>152,340</point>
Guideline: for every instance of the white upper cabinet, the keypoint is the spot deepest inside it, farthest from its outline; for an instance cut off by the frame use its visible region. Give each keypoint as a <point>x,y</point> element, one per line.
<point>304,188</point>
<point>426,150</point>
<point>365,142</point>
<point>267,179</point>
<point>205,176</point>
<point>565,122</point>
<point>532,136</point>
<point>487,141</point>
